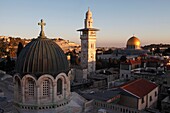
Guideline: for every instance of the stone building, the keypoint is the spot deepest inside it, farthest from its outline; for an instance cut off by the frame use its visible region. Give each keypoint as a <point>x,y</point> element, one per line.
<point>139,94</point>
<point>128,67</point>
<point>133,47</point>
<point>41,82</point>
<point>133,43</point>
<point>136,96</point>
<point>88,44</point>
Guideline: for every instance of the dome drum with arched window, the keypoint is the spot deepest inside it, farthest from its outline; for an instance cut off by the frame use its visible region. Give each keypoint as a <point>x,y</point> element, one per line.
<point>41,80</point>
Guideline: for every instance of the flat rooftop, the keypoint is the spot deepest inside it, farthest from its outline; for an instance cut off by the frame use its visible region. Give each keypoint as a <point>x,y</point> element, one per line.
<point>102,95</point>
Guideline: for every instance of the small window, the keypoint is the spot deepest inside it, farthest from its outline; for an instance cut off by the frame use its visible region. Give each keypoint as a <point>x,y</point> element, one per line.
<point>143,100</point>
<point>92,46</point>
<point>150,98</point>
<point>45,88</point>
<point>31,87</point>
<point>123,110</point>
<point>156,94</point>
<point>59,87</point>
<point>91,56</point>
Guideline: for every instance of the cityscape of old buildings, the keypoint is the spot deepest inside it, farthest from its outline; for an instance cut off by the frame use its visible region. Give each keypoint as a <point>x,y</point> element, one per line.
<point>45,79</point>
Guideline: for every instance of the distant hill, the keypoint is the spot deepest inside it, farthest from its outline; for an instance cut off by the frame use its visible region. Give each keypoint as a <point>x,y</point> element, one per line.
<point>163,46</point>
<point>67,45</point>
<point>10,44</point>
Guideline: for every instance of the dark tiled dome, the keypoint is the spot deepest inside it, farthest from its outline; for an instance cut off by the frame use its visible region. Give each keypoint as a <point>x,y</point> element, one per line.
<point>42,56</point>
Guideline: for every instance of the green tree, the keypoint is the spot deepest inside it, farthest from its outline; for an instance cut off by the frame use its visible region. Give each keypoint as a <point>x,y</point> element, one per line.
<point>123,58</point>
<point>20,47</point>
<point>3,47</point>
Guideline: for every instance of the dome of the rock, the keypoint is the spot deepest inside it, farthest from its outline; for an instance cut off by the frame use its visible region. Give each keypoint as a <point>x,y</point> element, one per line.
<point>133,43</point>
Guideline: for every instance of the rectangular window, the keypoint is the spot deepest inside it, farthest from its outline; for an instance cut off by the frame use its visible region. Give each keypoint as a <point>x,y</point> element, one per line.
<point>150,98</point>
<point>156,94</point>
<point>143,100</point>
<point>31,87</point>
<point>45,88</point>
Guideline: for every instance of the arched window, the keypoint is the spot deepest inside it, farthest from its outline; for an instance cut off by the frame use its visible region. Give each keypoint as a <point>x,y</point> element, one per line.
<point>59,87</point>
<point>31,86</point>
<point>46,87</point>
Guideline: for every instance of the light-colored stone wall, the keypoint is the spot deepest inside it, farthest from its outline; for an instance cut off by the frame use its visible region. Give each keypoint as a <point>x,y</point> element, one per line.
<point>88,45</point>
<point>142,105</point>
<point>154,98</point>
<point>124,74</point>
<point>147,103</point>
<point>38,100</point>
<point>137,103</point>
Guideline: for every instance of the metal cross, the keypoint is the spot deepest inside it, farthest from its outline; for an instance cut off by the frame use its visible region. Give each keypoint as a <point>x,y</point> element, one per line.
<point>42,24</point>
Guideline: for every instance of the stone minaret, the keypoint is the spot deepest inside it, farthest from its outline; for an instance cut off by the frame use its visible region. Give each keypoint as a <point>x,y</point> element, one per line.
<point>88,44</point>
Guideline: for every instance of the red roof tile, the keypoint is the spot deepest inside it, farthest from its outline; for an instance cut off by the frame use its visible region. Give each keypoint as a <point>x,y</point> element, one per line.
<point>131,62</point>
<point>139,87</point>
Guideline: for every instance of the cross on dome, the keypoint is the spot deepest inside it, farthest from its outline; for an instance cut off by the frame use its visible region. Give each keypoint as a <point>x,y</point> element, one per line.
<point>42,24</point>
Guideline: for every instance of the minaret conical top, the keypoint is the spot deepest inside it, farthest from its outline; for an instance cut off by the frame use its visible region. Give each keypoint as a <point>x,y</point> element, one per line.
<point>42,24</point>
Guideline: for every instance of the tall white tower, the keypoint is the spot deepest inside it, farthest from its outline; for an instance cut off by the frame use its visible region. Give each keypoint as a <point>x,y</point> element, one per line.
<point>88,44</point>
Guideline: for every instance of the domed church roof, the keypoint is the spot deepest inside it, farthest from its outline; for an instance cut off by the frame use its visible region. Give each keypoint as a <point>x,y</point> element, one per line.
<point>42,56</point>
<point>133,41</point>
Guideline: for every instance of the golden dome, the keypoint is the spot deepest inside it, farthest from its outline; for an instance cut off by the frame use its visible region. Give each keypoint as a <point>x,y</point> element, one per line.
<point>133,41</point>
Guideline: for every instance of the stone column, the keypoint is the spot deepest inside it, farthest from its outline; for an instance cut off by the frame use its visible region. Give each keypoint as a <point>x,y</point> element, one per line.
<point>23,94</point>
<point>64,88</point>
<point>68,86</point>
<point>51,93</point>
<point>38,94</point>
<point>54,92</point>
<point>15,91</point>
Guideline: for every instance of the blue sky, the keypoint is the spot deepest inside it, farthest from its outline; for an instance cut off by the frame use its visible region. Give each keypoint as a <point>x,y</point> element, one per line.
<point>117,20</point>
